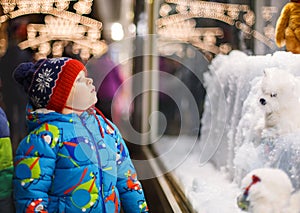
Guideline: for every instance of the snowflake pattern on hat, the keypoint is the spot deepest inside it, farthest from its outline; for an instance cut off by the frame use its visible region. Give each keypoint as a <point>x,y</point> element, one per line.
<point>44,80</point>
<point>36,101</point>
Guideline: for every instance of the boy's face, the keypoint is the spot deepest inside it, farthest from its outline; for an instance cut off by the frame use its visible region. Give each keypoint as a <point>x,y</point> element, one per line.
<point>83,94</point>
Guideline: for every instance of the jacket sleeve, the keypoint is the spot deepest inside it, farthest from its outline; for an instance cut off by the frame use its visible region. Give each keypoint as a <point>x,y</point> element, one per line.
<point>281,25</point>
<point>6,159</point>
<point>34,165</point>
<point>130,189</point>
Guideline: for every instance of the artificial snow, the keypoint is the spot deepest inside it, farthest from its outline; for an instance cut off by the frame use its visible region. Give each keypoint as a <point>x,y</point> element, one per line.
<point>231,144</point>
<point>208,189</point>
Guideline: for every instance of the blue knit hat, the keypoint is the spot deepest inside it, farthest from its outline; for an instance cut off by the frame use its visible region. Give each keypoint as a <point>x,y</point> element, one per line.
<point>48,82</point>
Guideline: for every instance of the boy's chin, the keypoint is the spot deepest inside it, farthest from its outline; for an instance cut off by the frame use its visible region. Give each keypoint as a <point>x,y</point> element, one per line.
<point>95,101</point>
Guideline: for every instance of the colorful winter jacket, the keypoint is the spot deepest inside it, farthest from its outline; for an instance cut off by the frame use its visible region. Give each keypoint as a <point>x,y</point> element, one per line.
<point>65,165</point>
<point>6,158</point>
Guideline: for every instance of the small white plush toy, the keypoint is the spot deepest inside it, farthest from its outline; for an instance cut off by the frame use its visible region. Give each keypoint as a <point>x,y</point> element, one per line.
<point>280,101</point>
<point>268,190</point>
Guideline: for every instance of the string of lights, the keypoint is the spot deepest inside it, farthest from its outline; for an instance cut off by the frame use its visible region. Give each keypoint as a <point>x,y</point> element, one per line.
<point>176,15</point>
<point>61,27</point>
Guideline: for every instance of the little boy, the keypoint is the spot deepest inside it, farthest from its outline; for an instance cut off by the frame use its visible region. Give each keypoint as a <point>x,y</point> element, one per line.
<point>73,160</point>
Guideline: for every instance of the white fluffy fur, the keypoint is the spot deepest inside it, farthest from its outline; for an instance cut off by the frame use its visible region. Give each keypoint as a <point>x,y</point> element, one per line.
<point>273,194</point>
<point>281,93</point>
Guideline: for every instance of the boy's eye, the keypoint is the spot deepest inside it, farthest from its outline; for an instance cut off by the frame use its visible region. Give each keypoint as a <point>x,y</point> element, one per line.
<point>273,95</point>
<point>80,79</point>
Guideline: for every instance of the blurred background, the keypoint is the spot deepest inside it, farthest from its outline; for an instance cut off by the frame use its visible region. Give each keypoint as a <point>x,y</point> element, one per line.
<point>145,56</point>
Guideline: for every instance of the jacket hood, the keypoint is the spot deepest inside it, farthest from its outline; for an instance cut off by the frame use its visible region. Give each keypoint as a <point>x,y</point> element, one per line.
<point>37,117</point>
